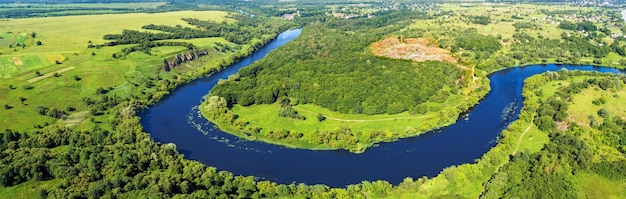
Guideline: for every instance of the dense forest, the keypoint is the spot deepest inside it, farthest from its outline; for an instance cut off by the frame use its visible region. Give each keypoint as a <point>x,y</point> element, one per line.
<point>329,65</point>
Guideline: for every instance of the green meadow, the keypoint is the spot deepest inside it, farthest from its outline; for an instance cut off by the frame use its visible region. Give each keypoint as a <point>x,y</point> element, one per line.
<point>392,126</point>
<point>65,39</point>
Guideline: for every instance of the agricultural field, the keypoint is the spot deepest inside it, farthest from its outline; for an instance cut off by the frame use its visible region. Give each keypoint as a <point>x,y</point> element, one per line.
<point>65,51</point>
<point>68,37</point>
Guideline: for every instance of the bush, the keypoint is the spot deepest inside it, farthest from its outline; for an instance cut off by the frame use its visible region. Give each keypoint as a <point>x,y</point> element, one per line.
<point>421,109</point>
<point>599,101</point>
<point>320,117</point>
<point>597,61</point>
<point>603,113</point>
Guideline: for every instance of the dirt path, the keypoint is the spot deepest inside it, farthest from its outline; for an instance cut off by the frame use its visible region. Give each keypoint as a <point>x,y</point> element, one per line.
<point>62,70</point>
<point>372,120</point>
<point>474,78</point>
<point>519,140</point>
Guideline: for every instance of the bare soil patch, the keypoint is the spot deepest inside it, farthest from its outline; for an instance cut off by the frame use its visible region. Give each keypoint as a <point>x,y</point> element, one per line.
<point>417,49</point>
<point>17,61</point>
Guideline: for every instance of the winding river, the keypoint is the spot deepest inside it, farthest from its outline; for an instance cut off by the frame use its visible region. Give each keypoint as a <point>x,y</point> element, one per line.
<point>176,119</point>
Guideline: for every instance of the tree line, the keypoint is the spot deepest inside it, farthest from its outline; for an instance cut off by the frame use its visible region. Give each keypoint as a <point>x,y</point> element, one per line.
<point>245,30</point>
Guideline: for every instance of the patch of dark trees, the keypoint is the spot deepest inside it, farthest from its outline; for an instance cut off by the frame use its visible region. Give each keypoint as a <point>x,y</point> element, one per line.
<point>584,25</point>
<point>145,47</point>
<point>170,63</point>
<point>244,31</point>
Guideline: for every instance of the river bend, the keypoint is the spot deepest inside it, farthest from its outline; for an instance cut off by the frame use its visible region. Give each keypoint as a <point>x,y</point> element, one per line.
<point>176,119</point>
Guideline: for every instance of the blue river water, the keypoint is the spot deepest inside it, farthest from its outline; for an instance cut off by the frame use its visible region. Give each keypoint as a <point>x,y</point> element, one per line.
<point>176,119</point>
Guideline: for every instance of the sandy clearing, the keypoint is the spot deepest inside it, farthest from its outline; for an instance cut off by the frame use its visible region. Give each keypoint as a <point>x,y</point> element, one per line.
<point>416,49</point>
<point>17,61</point>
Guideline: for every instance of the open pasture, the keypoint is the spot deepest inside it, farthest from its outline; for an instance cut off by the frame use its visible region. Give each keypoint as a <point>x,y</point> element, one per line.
<point>75,31</point>
<point>67,37</point>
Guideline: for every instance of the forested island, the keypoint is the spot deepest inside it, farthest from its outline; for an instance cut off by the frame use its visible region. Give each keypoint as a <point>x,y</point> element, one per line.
<point>76,77</point>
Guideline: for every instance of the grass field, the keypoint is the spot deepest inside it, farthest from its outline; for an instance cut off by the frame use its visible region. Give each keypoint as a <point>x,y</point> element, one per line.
<point>582,106</point>
<point>591,185</point>
<point>533,141</point>
<point>65,39</point>
<point>267,116</point>
<point>393,126</point>
<point>69,36</point>
<point>27,190</point>
<point>55,31</point>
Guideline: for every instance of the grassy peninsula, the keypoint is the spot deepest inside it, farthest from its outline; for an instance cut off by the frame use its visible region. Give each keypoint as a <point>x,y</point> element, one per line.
<point>352,83</point>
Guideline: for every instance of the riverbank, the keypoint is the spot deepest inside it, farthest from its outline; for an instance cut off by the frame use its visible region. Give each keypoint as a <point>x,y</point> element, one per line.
<point>524,139</point>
